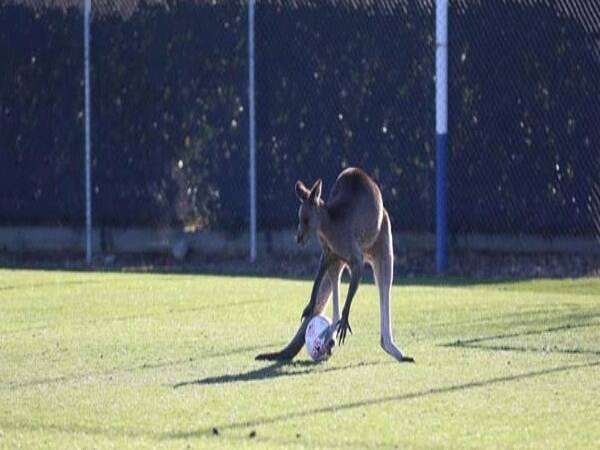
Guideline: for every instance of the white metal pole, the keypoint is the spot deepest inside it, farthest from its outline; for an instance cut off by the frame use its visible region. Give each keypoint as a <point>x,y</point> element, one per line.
<point>252,129</point>
<point>88,159</point>
<point>441,131</point>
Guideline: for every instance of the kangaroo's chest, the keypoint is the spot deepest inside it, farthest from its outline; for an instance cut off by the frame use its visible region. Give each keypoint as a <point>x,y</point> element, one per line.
<point>338,244</point>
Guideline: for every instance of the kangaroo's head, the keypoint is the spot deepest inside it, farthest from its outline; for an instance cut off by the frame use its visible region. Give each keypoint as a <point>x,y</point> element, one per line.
<point>308,217</point>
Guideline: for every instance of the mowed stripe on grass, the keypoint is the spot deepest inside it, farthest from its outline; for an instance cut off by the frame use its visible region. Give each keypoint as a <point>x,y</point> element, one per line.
<point>128,360</point>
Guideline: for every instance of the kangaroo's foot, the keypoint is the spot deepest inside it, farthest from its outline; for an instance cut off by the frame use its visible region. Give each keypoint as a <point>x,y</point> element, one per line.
<point>390,347</point>
<point>343,326</point>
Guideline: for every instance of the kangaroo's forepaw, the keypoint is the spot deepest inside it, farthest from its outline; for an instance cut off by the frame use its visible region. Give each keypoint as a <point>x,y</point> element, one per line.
<point>343,326</point>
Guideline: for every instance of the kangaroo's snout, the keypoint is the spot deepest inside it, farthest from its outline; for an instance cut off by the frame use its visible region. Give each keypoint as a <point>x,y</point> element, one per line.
<point>300,238</point>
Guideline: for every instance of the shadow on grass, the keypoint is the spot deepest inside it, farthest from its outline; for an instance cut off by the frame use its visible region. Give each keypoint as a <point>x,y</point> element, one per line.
<point>520,319</point>
<point>275,370</point>
<point>301,268</point>
<point>60,284</point>
<point>479,343</point>
<point>145,366</point>
<point>115,431</point>
<point>170,310</point>
<point>73,429</point>
<point>278,418</point>
<point>525,333</point>
<point>522,349</point>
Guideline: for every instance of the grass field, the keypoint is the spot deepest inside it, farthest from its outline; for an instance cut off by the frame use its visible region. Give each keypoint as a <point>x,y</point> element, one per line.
<point>97,360</point>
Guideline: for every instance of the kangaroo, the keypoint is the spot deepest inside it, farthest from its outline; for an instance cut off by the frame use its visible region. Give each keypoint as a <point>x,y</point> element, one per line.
<point>353,227</point>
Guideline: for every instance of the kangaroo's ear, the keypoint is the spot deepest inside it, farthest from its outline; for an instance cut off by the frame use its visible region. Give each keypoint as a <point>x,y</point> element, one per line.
<point>315,191</point>
<point>301,192</point>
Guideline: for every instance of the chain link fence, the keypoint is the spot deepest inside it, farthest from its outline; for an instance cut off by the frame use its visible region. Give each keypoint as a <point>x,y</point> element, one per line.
<point>338,83</point>
<point>524,114</point>
<point>41,115</point>
<point>344,84</point>
<point>169,87</point>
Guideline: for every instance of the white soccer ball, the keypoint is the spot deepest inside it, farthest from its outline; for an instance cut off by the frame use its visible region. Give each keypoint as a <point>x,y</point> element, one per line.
<point>319,338</point>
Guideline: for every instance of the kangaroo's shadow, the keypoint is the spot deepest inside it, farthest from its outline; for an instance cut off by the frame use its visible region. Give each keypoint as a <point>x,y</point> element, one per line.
<point>275,370</point>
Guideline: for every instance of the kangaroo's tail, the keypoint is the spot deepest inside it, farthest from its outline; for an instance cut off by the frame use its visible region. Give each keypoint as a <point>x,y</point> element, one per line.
<point>290,350</point>
<point>295,345</point>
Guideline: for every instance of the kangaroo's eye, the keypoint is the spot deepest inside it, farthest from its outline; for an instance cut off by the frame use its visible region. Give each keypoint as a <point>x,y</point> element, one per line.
<point>305,221</point>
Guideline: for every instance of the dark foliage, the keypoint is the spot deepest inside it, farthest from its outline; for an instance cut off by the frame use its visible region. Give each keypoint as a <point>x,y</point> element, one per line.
<point>336,86</point>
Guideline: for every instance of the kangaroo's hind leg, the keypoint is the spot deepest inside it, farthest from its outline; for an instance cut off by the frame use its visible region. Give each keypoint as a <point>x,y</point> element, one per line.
<point>295,345</point>
<point>335,274</point>
<point>325,262</point>
<point>382,256</point>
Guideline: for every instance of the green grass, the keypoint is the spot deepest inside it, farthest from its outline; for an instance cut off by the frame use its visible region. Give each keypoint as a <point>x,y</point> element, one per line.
<point>100,360</point>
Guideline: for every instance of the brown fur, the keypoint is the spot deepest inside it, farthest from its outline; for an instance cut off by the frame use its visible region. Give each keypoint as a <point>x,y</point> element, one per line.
<point>353,227</point>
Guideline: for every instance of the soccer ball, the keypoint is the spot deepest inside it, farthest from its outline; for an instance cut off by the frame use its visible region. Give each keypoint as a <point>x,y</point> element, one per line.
<point>319,338</point>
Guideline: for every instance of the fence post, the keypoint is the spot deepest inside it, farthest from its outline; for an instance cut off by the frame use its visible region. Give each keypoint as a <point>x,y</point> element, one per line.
<point>441,128</point>
<point>87,7</point>
<point>252,129</point>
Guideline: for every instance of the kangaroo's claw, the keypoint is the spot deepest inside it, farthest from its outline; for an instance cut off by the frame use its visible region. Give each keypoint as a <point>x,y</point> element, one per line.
<point>343,326</point>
